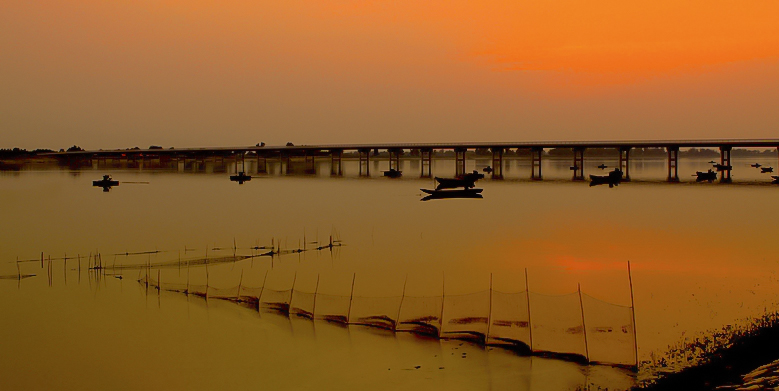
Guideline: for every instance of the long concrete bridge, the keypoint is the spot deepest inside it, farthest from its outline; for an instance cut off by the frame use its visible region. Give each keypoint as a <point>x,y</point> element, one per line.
<point>395,150</point>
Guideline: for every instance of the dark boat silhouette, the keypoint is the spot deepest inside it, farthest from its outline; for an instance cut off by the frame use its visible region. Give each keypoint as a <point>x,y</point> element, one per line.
<point>466,181</point>
<point>602,166</point>
<point>393,173</point>
<point>105,182</point>
<point>487,169</point>
<point>240,178</point>
<point>776,178</point>
<point>705,176</point>
<point>723,167</point>
<point>612,179</point>
<point>756,165</point>
<point>457,193</point>
<point>767,169</point>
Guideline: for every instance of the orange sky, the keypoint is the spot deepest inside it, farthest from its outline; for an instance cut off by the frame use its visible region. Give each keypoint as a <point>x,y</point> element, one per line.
<point>194,73</point>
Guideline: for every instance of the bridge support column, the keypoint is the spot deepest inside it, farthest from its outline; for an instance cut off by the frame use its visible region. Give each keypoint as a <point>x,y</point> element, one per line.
<point>459,161</point>
<point>673,164</point>
<point>262,164</point>
<point>427,162</point>
<point>394,159</point>
<point>497,163</point>
<point>535,156</point>
<point>336,157</point>
<point>286,161</point>
<point>310,163</point>
<point>624,162</point>
<point>724,160</point>
<point>578,164</point>
<point>365,162</point>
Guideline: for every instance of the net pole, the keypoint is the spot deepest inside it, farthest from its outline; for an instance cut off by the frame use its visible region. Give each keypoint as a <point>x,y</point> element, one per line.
<point>402,297</point>
<point>584,325</point>
<point>633,313</point>
<point>489,314</point>
<point>262,289</point>
<point>240,282</point>
<point>529,322</point>
<point>443,300</point>
<point>292,291</point>
<point>206,274</point>
<point>316,289</point>
<point>351,297</point>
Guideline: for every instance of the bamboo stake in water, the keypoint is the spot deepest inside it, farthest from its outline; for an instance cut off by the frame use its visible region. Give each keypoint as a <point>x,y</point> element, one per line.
<point>633,312</point>
<point>443,300</point>
<point>292,292</point>
<point>351,297</point>
<point>240,282</point>
<point>402,297</point>
<point>259,299</point>
<point>529,321</point>
<point>584,325</point>
<point>316,290</point>
<point>489,315</point>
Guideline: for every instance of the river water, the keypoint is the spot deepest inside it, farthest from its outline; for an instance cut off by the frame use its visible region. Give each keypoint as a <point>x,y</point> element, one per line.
<point>703,256</point>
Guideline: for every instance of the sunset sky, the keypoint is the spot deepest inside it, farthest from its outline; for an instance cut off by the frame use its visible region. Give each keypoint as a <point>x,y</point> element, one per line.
<point>116,74</point>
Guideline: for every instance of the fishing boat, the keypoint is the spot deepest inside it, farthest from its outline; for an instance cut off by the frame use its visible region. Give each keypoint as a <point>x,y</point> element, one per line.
<point>776,178</point>
<point>465,181</point>
<point>723,167</point>
<point>240,178</point>
<point>453,192</point>
<point>393,173</point>
<point>756,165</point>
<point>612,179</point>
<point>602,166</point>
<point>705,176</point>
<point>105,182</point>
<point>766,169</point>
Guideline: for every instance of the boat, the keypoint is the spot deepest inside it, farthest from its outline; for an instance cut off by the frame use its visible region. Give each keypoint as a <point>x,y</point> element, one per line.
<point>602,166</point>
<point>465,181</point>
<point>393,173</point>
<point>105,182</point>
<point>487,169</point>
<point>756,165</point>
<point>240,178</point>
<point>767,169</point>
<point>722,167</point>
<point>453,192</point>
<point>705,176</point>
<point>612,179</point>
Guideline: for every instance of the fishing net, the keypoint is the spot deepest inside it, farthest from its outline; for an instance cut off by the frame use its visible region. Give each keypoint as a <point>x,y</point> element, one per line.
<point>276,300</point>
<point>510,321</point>
<point>302,304</point>
<point>375,311</point>
<point>557,324</point>
<point>223,293</point>
<point>333,308</point>
<point>420,314</point>
<point>466,316</point>
<point>610,332</point>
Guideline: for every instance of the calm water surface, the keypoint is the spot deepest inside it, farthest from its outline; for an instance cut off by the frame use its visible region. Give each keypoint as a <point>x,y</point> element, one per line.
<point>703,256</point>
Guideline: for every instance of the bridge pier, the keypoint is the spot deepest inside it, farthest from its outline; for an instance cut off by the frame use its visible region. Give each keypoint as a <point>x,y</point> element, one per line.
<point>427,162</point>
<point>394,158</point>
<point>497,163</point>
<point>365,162</point>
<point>724,160</point>
<point>286,162</point>
<point>624,162</point>
<point>336,157</point>
<point>578,164</point>
<point>459,161</point>
<point>535,156</point>
<point>262,164</point>
<point>310,163</point>
<point>673,164</point>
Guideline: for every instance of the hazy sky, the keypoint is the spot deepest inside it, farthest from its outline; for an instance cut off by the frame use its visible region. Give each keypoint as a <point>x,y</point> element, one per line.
<point>106,74</point>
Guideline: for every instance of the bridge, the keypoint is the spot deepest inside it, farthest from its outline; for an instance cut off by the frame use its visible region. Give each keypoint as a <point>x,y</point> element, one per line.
<point>425,153</point>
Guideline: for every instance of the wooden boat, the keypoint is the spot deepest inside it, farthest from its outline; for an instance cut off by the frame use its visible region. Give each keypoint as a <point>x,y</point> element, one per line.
<point>612,179</point>
<point>705,176</point>
<point>105,182</point>
<point>393,173</point>
<point>767,169</point>
<point>756,165</point>
<point>240,178</point>
<point>453,192</point>
<point>602,166</point>
<point>722,167</point>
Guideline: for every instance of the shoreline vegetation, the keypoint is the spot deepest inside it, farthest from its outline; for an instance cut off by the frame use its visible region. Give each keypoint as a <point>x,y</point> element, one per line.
<point>732,358</point>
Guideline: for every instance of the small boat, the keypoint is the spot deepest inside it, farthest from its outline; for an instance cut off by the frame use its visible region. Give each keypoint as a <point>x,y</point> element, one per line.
<point>705,176</point>
<point>602,166</point>
<point>722,167</point>
<point>767,169</point>
<point>756,165</point>
<point>712,162</point>
<point>487,169</point>
<point>453,192</point>
<point>775,179</point>
<point>393,173</point>
<point>105,182</point>
<point>612,179</point>
<point>240,178</point>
